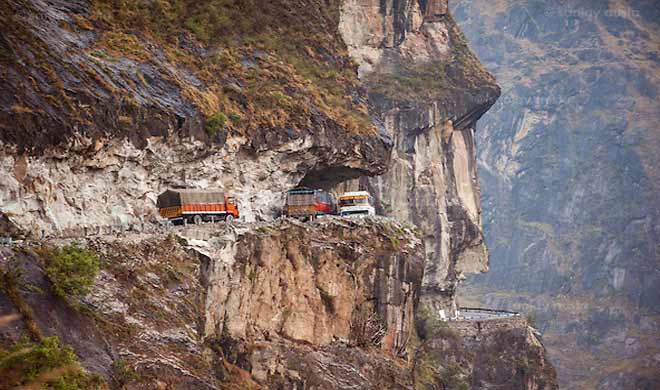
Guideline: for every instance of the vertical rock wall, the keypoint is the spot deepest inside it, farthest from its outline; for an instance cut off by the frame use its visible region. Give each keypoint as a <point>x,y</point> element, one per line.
<point>284,280</point>
<point>432,180</point>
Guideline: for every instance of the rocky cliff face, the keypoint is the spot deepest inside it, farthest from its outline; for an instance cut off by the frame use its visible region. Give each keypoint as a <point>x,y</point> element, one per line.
<point>125,128</point>
<point>272,306</point>
<point>428,90</point>
<point>261,307</point>
<point>334,286</point>
<point>568,162</point>
<point>103,107</point>
<point>503,354</point>
<point>105,104</point>
<point>311,285</point>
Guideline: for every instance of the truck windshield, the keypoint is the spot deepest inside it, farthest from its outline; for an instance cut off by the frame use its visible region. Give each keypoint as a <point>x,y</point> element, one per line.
<point>353,201</point>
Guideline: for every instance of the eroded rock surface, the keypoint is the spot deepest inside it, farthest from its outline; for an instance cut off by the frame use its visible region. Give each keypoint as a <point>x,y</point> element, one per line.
<point>261,305</point>
<point>314,283</point>
<point>491,354</point>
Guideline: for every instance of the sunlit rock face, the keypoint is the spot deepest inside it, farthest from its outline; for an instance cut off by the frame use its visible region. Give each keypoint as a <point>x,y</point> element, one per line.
<point>427,90</point>
<point>283,281</point>
<point>118,183</point>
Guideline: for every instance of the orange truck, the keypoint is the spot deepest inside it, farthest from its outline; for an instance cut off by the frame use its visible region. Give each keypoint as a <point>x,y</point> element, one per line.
<point>197,206</point>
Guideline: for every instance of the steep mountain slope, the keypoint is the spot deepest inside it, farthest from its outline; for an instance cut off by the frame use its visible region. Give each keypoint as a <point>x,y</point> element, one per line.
<point>569,166</point>
<point>219,316</point>
<point>267,306</point>
<point>106,103</point>
<point>113,102</point>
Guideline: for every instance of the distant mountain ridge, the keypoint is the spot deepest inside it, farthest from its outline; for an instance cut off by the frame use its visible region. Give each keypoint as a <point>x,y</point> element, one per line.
<point>570,171</point>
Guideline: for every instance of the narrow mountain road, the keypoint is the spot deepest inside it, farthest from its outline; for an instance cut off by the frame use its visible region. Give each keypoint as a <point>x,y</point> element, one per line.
<point>481,314</point>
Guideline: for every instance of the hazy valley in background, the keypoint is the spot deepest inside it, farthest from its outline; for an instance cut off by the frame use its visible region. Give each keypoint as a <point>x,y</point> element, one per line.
<point>569,171</point>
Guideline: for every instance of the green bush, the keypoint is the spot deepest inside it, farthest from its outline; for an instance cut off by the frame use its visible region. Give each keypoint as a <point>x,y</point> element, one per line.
<point>123,373</point>
<point>234,117</point>
<point>5,54</point>
<point>77,380</point>
<point>35,364</point>
<point>429,325</point>
<point>71,271</point>
<point>215,123</point>
<point>452,377</point>
<point>531,320</point>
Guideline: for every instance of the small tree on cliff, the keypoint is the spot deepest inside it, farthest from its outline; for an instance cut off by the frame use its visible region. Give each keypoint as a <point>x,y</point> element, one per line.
<point>426,368</point>
<point>71,271</point>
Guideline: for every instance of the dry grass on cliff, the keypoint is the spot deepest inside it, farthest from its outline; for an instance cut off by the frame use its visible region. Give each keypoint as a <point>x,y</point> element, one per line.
<point>46,364</point>
<point>273,64</point>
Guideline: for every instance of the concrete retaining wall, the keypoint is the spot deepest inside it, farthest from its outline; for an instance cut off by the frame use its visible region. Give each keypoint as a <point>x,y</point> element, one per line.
<point>486,327</point>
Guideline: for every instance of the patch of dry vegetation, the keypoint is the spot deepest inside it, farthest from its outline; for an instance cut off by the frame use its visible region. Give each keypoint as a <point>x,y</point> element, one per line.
<point>275,64</point>
<point>46,364</point>
<point>120,44</point>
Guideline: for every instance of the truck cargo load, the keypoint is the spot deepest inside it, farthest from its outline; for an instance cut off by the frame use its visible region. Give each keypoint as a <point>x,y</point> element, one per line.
<point>309,203</point>
<point>197,206</point>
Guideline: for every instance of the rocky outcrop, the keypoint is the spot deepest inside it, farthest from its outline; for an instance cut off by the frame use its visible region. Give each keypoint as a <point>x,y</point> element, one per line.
<point>491,354</point>
<point>568,160</point>
<point>333,286</point>
<point>141,314</point>
<point>316,284</point>
<point>282,303</point>
<point>435,10</point>
<point>428,90</point>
